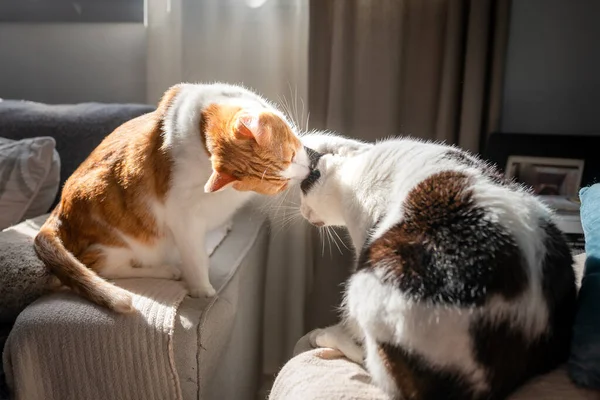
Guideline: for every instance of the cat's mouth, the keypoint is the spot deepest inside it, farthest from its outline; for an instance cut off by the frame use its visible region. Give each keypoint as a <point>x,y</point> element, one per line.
<point>310,216</point>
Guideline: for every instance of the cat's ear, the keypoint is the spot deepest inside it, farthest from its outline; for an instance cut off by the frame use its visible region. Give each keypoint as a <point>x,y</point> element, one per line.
<point>249,125</point>
<point>218,181</point>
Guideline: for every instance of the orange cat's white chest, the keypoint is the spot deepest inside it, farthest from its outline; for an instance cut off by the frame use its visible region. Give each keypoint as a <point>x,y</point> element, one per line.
<point>210,210</point>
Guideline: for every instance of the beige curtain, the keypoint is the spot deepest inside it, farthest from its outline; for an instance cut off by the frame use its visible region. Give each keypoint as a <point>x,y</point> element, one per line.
<point>377,68</point>
<point>425,68</point>
<point>262,44</point>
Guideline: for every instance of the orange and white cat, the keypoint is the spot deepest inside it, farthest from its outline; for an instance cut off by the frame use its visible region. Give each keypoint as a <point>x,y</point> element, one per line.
<point>141,203</point>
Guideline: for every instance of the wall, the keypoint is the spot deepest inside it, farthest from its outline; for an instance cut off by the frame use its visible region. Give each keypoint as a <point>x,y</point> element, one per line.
<point>67,63</point>
<point>552,76</point>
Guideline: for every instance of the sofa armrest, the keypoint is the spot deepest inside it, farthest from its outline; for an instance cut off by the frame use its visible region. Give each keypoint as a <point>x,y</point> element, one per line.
<point>172,347</point>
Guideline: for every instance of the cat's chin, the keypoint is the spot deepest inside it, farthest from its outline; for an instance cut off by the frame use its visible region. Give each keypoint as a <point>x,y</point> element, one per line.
<point>310,216</point>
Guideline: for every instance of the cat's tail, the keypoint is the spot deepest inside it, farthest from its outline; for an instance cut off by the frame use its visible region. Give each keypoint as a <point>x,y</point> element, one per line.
<point>74,274</point>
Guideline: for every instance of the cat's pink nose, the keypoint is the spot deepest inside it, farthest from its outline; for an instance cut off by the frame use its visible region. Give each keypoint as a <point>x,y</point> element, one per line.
<point>318,223</point>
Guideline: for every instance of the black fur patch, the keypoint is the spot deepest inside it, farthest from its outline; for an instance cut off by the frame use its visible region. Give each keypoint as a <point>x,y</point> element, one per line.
<point>510,358</point>
<point>310,181</point>
<point>444,250</point>
<point>313,156</point>
<point>486,169</point>
<point>418,381</point>
<point>315,174</point>
<point>558,281</point>
<point>508,369</point>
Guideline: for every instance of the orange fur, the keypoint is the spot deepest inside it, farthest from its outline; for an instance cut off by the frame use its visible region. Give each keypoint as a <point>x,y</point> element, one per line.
<point>251,160</point>
<point>109,191</point>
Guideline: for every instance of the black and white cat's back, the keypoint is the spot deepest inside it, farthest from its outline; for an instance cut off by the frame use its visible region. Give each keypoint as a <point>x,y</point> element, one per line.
<point>469,308</point>
<point>464,286</point>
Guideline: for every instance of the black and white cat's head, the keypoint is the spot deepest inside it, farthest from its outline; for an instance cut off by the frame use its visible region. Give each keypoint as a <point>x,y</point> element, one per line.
<point>321,195</point>
<point>322,192</point>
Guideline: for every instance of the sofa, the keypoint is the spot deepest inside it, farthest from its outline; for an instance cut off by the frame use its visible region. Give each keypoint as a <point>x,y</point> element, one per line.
<point>60,346</point>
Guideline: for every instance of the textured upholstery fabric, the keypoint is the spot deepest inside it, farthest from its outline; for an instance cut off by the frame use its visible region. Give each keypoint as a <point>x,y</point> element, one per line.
<point>323,374</point>
<point>174,348</point>
<point>29,178</point>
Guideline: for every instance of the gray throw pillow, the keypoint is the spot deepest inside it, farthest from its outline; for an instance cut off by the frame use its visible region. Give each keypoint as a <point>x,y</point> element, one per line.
<point>29,178</point>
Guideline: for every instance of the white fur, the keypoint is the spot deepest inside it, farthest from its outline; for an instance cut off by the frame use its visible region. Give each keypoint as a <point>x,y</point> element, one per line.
<point>440,335</point>
<point>188,212</point>
<point>364,183</point>
<point>300,166</point>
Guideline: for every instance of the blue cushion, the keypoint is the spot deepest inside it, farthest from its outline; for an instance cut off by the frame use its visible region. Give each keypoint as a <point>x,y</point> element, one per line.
<point>584,362</point>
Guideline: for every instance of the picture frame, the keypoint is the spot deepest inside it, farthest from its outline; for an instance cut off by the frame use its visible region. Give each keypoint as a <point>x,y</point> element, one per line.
<point>547,176</point>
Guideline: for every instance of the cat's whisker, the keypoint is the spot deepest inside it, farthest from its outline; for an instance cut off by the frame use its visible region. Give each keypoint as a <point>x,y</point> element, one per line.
<point>332,232</point>
<point>329,241</point>
<point>281,227</point>
<point>298,117</point>
<point>287,218</point>
<point>291,95</point>
<point>341,240</point>
<point>283,201</point>
<point>286,223</point>
<point>306,126</point>
<point>283,216</point>
<point>293,106</point>
<point>324,237</point>
<point>294,102</point>
<point>277,201</point>
<point>322,241</point>
<point>277,207</point>
<point>281,102</point>
<point>288,110</point>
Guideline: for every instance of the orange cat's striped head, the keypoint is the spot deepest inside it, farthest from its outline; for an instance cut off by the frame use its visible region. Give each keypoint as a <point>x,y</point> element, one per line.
<point>252,149</point>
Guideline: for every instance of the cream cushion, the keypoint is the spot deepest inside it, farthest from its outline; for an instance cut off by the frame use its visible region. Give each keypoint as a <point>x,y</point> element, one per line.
<point>324,374</point>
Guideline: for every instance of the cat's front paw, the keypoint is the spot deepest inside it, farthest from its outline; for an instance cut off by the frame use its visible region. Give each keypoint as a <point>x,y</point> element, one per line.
<point>313,338</point>
<point>202,291</point>
<point>334,337</point>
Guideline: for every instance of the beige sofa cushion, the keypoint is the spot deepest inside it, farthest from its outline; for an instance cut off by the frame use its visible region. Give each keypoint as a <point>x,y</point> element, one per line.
<point>324,374</point>
<point>217,340</point>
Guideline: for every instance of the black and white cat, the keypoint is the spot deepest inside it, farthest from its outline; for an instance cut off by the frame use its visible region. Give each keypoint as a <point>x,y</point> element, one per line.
<point>464,287</point>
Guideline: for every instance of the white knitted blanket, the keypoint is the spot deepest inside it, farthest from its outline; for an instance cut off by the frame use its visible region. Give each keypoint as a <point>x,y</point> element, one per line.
<point>63,347</point>
<point>325,374</point>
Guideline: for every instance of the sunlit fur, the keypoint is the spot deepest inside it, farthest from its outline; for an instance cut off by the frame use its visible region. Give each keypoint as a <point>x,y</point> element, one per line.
<point>481,338</point>
<point>141,203</point>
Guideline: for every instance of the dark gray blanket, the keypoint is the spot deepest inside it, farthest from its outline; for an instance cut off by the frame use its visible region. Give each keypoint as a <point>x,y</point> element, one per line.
<point>77,128</point>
